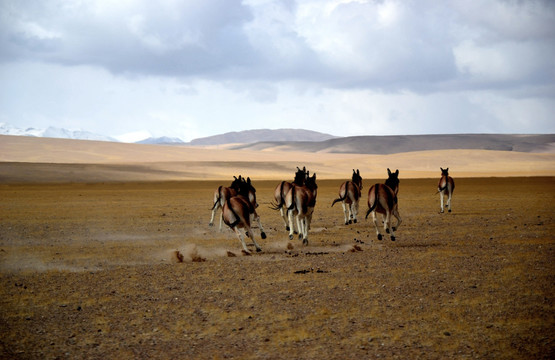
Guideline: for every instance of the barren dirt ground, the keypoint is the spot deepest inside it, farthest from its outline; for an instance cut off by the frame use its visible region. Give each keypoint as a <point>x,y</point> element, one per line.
<point>87,271</point>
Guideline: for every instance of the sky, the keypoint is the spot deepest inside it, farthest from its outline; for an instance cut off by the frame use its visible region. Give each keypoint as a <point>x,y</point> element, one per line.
<point>189,69</point>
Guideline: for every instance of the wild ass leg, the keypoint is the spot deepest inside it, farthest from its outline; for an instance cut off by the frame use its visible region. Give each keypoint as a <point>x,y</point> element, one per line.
<point>375,220</point>
<point>304,230</point>
<point>284,217</point>
<point>211,223</point>
<point>355,211</point>
<point>242,239</point>
<point>299,226</point>
<point>251,235</point>
<point>449,193</point>
<point>441,201</point>
<point>387,225</point>
<point>345,212</point>
<point>257,218</point>
<point>291,226</point>
<point>221,220</point>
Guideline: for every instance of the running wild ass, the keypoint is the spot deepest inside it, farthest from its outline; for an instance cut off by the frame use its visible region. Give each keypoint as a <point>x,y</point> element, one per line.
<point>382,199</point>
<point>221,194</point>
<point>446,186</point>
<point>238,211</point>
<point>300,202</point>
<point>282,189</point>
<point>349,195</point>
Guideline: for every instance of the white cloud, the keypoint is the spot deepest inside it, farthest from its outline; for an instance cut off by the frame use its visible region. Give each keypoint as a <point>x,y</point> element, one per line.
<point>347,67</point>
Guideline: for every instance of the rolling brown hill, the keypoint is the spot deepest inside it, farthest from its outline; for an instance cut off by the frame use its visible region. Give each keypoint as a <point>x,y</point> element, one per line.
<point>408,143</point>
<point>28,159</point>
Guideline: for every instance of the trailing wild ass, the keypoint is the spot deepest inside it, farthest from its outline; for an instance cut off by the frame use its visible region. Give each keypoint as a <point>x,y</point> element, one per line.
<point>300,202</point>
<point>349,195</point>
<point>238,211</point>
<point>446,183</point>
<point>221,194</point>
<point>382,199</point>
<point>282,189</point>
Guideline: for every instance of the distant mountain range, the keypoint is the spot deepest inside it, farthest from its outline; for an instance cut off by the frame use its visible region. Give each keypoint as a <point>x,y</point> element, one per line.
<point>407,143</point>
<point>312,141</point>
<point>240,137</point>
<point>255,136</point>
<point>53,132</point>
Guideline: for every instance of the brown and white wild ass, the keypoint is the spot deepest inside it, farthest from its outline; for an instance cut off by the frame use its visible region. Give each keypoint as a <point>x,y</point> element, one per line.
<point>349,195</point>
<point>238,211</point>
<point>221,194</point>
<point>300,202</point>
<point>382,199</point>
<point>282,189</point>
<point>446,186</point>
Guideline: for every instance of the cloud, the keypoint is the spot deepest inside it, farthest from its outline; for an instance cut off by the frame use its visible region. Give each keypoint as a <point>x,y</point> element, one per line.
<point>347,67</point>
<point>391,45</point>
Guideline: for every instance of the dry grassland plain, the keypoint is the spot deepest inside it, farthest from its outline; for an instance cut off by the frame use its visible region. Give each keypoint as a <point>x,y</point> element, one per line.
<point>87,269</point>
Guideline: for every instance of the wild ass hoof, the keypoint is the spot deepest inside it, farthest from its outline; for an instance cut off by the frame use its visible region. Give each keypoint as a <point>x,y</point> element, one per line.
<point>290,237</point>
<point>346,223</point>
<point>392,238</point>
<point>350,222</point>
<point>355,221</point>
<point>449,210</point>
<point>210,224</point>
<point>379,236</point>
<point>287,228</point>
<point>246,252</point>
<point>305,241</point>
<point>300,236</point>
<point>387,230</point>
<point>258,249</point>
<point>394,228</point>
<point>263,235</point>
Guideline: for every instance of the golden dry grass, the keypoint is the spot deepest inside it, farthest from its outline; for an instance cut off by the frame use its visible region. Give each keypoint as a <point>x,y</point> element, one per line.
<point>88,271</point>
<point>61,160</point>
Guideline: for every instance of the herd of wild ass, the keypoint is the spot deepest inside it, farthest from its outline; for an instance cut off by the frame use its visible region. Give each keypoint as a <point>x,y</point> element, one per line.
<point>296,201</point>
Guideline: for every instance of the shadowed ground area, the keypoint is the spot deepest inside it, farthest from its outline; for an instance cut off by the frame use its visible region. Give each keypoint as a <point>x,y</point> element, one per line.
<point>88,270</point>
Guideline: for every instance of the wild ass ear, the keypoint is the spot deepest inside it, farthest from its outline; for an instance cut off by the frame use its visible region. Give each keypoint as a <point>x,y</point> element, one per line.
<point>441,168</point>
<point>248,180</point>
<point>388,172</point>
<point>397,172</point>
<point>358,172</point>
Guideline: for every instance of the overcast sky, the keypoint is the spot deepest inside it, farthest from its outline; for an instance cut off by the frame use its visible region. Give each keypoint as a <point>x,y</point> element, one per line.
<point>346,67</point>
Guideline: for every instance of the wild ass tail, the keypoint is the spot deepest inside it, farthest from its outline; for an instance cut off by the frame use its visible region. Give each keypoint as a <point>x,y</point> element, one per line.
<point>219,198</point>
<point>376,193</point>
<point>341,197</point>
<point>279,205</point>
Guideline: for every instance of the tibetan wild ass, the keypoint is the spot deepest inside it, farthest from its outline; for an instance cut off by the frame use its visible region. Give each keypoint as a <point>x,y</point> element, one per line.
<point>446,186</point>
<point>237,212</point>
<point>300,202</point>
<point>382,199</point>
<point>349,195</point>
<point>282,189</point>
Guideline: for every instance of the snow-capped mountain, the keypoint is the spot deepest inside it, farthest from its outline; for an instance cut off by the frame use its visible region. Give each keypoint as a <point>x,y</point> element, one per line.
<point>164,140</point>
<point>53,132</point>
<point>7,129</point>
